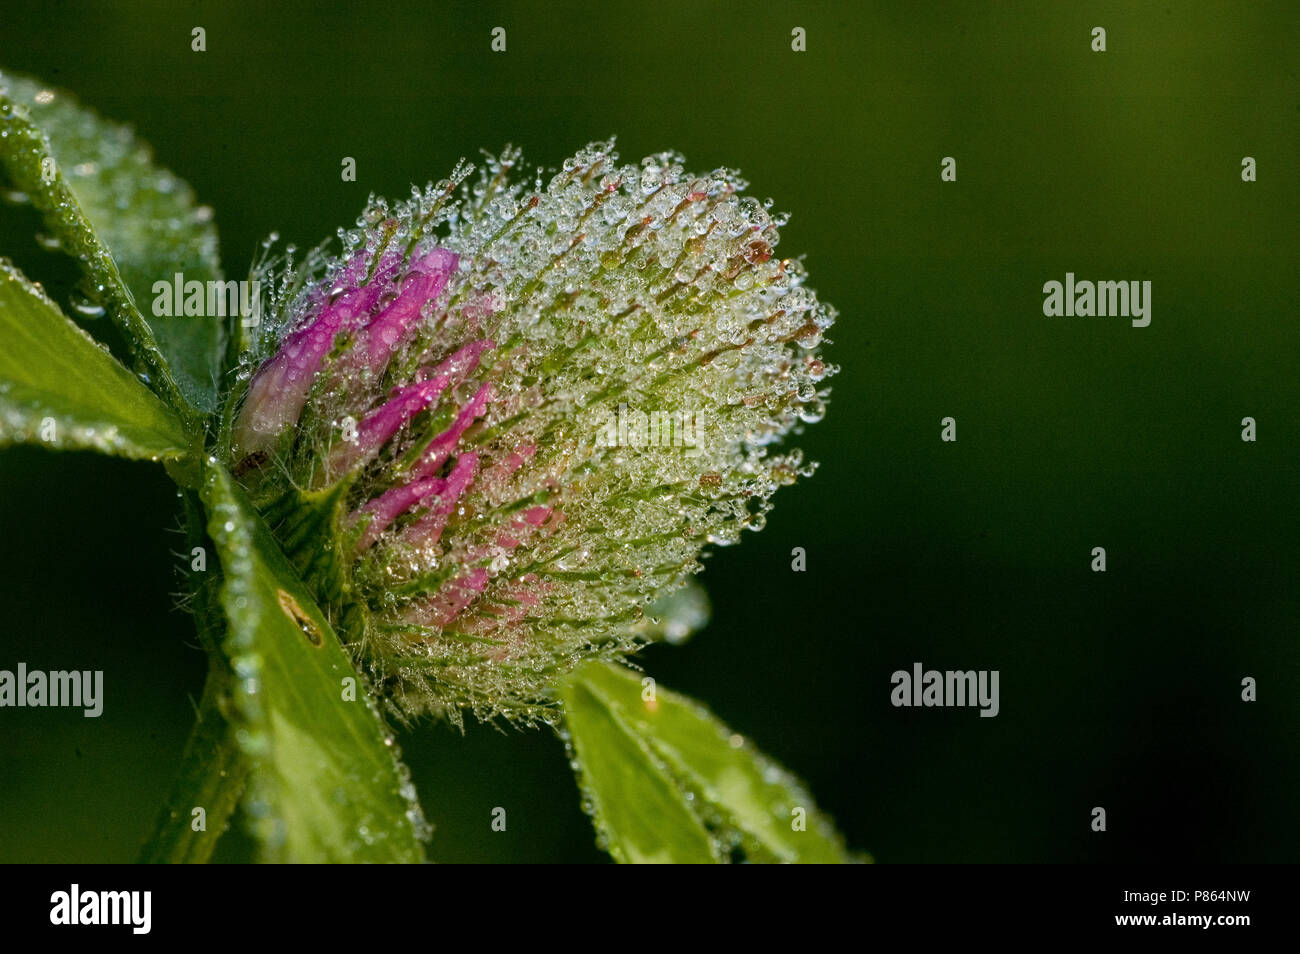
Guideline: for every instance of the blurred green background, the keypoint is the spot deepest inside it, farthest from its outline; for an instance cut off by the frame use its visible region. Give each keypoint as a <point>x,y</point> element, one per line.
<point>1119,690</point>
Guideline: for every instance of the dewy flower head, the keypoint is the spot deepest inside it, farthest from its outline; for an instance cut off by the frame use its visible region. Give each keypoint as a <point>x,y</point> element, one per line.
<point>524,411</point>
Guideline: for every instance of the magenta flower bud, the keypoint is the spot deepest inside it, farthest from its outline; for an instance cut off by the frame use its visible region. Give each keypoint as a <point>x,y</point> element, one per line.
<point>426,279</point>
<point>439,449</point>
<point>403,404</point>
<point>280,389</point>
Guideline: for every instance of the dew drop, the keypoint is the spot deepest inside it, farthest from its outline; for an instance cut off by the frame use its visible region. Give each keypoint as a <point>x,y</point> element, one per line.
<point>87,307</point>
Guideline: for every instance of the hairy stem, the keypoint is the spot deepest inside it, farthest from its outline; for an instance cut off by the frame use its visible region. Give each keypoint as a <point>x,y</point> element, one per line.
<point>212,777</point>
<point>213,769</point>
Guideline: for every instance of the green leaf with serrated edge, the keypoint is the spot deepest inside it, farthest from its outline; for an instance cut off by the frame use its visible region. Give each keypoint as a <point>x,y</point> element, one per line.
<point>641,815</point>
<point>746,799</point>
<point>128,223</point>
<point>326,783</point>
<point>61,389</point>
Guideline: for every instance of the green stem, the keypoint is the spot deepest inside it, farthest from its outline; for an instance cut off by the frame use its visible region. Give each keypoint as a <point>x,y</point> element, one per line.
<point>213,769</point>
<point>212,777</point>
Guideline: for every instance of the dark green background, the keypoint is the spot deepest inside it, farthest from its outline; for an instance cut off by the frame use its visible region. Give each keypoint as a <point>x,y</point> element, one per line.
<point>1119,689</point>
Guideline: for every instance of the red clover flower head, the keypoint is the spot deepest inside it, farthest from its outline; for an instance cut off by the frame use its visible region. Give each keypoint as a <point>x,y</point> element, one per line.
<point>520,412</point>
